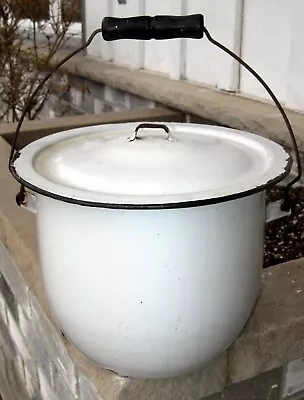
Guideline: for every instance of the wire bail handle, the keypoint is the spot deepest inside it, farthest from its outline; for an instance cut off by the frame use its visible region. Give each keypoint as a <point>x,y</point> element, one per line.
<point>160,27</point>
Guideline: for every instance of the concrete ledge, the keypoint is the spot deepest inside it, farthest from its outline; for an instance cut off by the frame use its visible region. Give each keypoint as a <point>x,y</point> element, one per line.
<point>224,108</point>
<point>33,130</point>
<point>274,333</point>
<point>273,336</point>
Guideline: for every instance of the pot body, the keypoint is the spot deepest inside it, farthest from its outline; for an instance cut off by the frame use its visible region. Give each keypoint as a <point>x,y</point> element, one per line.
<point>152,293</point>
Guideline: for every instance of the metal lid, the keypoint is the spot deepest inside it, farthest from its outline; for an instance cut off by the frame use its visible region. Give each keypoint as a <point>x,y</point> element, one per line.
<point>179,163</point>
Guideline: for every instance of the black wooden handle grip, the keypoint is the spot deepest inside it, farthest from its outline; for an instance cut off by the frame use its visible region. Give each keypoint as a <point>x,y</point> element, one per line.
<point>159,27</point>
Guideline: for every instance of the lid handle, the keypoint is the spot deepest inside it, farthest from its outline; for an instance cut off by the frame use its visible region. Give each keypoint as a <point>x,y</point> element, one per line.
<point>150,126</point>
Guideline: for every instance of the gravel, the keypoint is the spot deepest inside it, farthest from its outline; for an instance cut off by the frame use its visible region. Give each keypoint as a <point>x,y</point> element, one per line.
<point>284,240</point>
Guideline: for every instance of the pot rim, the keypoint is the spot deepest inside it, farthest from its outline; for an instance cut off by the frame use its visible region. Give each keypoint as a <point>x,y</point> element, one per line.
<point>26,174</point>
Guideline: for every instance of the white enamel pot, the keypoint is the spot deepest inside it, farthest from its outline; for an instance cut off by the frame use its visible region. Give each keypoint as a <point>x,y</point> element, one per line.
<point>151,244</point>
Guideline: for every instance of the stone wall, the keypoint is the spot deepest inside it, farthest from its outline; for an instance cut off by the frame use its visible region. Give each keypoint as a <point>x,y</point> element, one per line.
<point>77,96</point>
<point>34,363</point>
<point>38,363</point>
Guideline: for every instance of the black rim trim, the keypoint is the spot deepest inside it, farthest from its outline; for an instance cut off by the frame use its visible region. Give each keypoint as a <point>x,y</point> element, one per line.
<point>184,204</point>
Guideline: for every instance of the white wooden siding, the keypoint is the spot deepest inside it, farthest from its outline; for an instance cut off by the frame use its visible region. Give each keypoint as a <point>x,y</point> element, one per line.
<point>269,35</point>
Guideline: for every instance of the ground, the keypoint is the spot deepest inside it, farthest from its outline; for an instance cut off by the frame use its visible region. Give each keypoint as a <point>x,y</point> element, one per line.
<point>284,238</point>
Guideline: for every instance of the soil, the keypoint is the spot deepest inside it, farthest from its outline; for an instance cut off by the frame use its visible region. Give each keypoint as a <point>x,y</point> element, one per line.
<point>284,240</point>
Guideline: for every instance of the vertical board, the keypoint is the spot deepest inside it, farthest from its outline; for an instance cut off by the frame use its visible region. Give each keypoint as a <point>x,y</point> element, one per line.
<point>93,20</point>
<point>266,45</point>
<point>204,62</point>
<point>163,56</point>
<point>295,83</point>
<point>128,52</point>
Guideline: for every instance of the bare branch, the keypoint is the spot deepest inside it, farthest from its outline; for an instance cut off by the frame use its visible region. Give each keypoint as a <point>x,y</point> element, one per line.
<point>21,20</point>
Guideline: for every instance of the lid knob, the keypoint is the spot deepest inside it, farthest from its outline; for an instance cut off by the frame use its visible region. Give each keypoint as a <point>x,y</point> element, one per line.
<point>150,126</point>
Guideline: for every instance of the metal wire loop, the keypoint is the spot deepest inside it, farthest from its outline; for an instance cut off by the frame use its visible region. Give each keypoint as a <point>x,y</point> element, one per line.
<point>15,152</point>
<point>287,203</point>
<point>150,126</point>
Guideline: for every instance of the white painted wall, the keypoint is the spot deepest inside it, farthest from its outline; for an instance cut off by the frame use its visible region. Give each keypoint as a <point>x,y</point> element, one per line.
<point>93,19</point>
<point>164,56</point>
<point>295,81</point>
<point>265,45</point>
<point>204,62</point>
<point>128,52</point>
<point>268,34</point>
